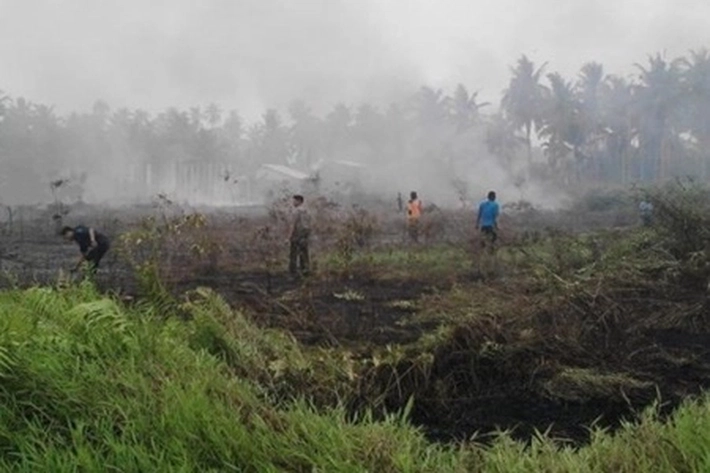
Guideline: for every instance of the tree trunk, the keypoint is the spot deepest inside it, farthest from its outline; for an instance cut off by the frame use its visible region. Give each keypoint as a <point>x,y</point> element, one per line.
<point>704,155</point>
<point>528,143</point>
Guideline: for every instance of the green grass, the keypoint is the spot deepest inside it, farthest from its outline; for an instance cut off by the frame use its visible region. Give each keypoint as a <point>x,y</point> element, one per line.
<point>89,385</point>
<point>429,262</point>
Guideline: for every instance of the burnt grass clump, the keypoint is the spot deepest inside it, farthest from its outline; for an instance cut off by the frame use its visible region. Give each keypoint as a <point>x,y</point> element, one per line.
<point>559,371</point>
<point>570,346</point>
<point>559,350</point>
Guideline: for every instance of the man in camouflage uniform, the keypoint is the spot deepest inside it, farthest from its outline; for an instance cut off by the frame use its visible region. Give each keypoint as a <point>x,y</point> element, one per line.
<point>299,263</point>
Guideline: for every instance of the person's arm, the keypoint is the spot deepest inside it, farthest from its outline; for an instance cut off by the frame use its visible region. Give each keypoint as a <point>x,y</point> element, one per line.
<point>82,258</point>
<point>497,213</point>
<point>478,218</point>
<point>92,238</point>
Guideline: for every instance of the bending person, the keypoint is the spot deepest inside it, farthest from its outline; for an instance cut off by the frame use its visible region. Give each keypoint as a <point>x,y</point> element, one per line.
<point>92,245</point>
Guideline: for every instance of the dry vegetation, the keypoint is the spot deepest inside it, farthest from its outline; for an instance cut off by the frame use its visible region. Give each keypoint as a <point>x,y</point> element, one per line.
<point>584,322</point>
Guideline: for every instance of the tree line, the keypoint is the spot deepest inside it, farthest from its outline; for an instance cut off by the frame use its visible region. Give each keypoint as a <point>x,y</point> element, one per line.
<point>595,127</point>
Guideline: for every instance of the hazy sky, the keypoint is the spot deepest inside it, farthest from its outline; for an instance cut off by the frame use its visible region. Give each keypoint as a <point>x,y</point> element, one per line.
<point>249,54</point>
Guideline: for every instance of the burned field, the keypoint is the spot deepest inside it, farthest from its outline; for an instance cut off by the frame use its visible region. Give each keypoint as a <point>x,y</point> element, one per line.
<point>567,328</point>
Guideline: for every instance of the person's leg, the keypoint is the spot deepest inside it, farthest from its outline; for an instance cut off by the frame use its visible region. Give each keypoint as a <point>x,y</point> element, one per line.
<point>93,257</point>
<point>304,257</point>
<point>485,237</point>
<point>92,262</point>
<point>482,255</point>
<point>292,257</point>
<point>487,234</point>
<point>99,253</point>
<point>414,230</point>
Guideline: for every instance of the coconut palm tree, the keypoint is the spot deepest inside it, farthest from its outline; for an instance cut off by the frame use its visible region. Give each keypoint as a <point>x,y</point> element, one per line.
<point>616,101</point>
<point>562,127</point>
<point>430,107</point>
<point>501,140</point>
<point>696,79</point>
<point>657,96</point>
<point>273,145</point>
<point>338,127</point>
<point>523,98</point>
<point>213,115</point>
<point>305,134</point>
<point>465,109</point>
<point>589,87</point>
<point>4,100</point>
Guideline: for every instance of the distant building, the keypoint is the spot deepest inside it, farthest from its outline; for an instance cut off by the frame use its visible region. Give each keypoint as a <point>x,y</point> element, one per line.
<point>273,179</point>
<point>341,177</point>
<point>280,173</point>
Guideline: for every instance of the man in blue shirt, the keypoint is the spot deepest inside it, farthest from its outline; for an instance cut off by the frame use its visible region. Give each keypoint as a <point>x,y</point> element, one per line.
<point>92,245</point>
<point>487,220</point>
<point>646,211</point>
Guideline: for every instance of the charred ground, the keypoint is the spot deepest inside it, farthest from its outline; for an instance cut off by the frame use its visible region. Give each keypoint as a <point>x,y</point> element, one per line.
<point>586,319</point>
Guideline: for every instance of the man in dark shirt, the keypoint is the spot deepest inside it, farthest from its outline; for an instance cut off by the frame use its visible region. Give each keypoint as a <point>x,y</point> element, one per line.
<point>92,244</point>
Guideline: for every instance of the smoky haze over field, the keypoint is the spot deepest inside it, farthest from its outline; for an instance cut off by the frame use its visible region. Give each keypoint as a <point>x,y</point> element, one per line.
<point>251,56</point>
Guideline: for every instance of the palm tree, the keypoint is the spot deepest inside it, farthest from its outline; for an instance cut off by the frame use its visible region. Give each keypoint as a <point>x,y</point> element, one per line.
<point>657,96</point>
<point>4,99</point>
<point>589,86</point>
<point>522,99</point>
<point>616,101</point>
<point>562,126</point>
<point>590,83</point>
<point>338,128</point>
<point>272,139</point>
<point>465,108</point>
<point>696,75</point>
<point>431,107</point>
<point>305,133</point>
<point>369,131</point>
<point>213,114</point>
<point>501,140</point>
<point>196,116</point>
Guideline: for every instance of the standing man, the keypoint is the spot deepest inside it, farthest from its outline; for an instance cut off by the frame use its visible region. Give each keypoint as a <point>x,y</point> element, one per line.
<point>299,238</point>
<point>414,213</point>
<point>92,245</point>
<point>646,211</point>
<point>487,220</point>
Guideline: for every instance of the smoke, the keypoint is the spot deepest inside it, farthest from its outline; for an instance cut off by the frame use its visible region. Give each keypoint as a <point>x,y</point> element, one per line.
<point>154,55</point>
<point>254,55</point>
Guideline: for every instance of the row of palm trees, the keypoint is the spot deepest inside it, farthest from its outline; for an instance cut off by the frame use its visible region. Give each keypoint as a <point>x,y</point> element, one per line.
<point>606,127</point>
<point>593,128</point>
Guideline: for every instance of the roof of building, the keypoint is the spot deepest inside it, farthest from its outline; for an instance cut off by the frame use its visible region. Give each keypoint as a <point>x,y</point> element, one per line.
<point>285,171</point>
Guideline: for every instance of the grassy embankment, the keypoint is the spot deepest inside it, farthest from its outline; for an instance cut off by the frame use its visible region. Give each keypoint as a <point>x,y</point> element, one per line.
<point>91,385</point>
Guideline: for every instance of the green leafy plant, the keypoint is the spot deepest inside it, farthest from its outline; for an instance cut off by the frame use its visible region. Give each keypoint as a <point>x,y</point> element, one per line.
<point>158,247</point>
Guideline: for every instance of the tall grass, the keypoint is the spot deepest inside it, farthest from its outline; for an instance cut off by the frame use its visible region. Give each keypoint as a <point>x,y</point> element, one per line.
<point>87,384</point>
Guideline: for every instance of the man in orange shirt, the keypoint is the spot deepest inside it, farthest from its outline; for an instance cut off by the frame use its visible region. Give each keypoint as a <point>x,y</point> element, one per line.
<point>414,213</point>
